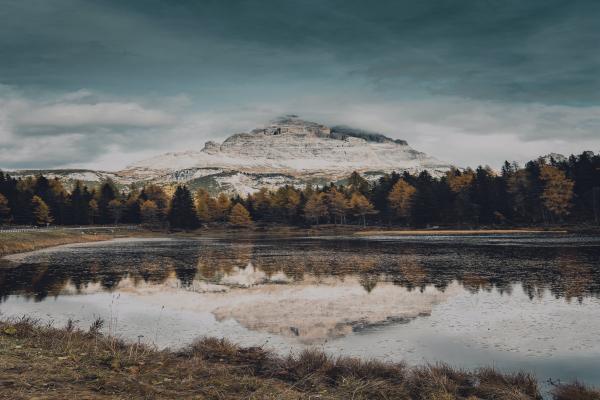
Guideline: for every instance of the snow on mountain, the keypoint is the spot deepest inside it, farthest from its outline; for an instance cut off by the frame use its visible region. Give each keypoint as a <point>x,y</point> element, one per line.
<point>289,151</point>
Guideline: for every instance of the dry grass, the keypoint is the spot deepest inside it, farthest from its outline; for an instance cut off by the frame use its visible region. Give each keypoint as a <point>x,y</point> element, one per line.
<point>44,362</point>
<point>12,243</point>
<point>21,242</point>
<point>575,391</point>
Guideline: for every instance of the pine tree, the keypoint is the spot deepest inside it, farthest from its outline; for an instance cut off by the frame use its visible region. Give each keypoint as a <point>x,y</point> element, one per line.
<point>107,193</point>
<point>182,214</point>
<point>149,214</point>
<point>460,183</point>
<point>132,213</point>
<point>358,183</point>
<point>239,216</point>
<point>41,211</point>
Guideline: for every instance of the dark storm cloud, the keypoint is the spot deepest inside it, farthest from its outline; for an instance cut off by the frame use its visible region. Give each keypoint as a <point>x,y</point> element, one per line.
<point>99,82</point>
<point>537,50</point>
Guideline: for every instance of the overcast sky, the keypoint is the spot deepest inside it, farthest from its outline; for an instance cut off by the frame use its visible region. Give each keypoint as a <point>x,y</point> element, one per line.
<point>100,84</point>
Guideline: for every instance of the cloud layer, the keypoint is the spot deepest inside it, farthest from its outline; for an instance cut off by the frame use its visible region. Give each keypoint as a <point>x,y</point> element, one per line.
<point>99,83</point>
<point>72,132</point>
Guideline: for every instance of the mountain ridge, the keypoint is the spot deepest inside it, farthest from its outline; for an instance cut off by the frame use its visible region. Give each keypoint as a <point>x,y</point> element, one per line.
<point>288,150</point>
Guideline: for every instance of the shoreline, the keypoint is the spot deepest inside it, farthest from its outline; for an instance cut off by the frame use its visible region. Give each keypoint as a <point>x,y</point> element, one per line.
<point>13,246</point>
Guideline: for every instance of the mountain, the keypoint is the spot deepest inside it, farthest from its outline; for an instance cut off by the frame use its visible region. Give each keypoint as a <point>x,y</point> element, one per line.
<point>289,150</point>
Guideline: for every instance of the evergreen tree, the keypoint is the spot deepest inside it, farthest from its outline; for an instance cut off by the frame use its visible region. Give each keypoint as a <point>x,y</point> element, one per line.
<point>79,200</point>
<point>460,184</point>
<point>358,183</point>
<point>106,194</point>
<point>182,214</point>
<point>423,211</point>
<point>132,208</point>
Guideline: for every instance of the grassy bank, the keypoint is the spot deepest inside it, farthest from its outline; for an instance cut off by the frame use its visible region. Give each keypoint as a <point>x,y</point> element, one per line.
<point>44,362</point>
<point>12,243</point>
<point>21,242</point>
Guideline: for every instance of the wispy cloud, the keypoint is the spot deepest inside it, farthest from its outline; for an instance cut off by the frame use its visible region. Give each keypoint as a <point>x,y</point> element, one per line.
<point>96,131</point>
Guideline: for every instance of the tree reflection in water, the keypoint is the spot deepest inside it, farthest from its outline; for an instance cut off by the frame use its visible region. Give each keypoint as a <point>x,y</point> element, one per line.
<point>569,270</point>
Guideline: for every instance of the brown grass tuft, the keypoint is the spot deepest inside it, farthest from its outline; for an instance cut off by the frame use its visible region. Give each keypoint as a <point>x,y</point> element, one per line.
<point>575,391</point>
<point>43,361</point>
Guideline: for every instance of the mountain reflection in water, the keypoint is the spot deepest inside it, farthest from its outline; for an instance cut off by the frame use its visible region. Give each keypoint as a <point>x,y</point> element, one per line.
<point>570,268</point>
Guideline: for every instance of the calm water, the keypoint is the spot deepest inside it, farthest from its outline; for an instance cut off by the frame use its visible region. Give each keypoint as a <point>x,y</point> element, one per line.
<point>515,302</point>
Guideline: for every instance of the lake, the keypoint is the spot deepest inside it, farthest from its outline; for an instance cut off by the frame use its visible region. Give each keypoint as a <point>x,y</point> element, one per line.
<point>517,302</point>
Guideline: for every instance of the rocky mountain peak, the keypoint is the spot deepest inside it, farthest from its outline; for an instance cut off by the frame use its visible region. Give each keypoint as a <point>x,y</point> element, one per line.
<point>286,151</point>
<point>291,124</point>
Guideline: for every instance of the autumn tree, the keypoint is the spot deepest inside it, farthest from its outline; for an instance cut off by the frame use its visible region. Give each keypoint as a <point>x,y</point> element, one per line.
<point>223,204</point>
<point>360,207</point>
<point>287,200</point>
<point>401,197</point>
<point>157,194</point>
<point>239,216</point>
<point>149,213</point>
<point>558,191</point>
<point>263,203</point>
<point>207,207</point>
<point>337,205</point>
<point>315,207</point>
<point>4,209</point>
<point>115,209</point>
<point>41,212</point>
<point>93,211</point>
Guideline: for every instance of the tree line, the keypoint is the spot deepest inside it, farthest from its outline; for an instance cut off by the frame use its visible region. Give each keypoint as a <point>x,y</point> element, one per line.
<point>541,192</point>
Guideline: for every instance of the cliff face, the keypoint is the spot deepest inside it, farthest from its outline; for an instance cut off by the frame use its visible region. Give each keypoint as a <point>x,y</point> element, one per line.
<point>287,151</point>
